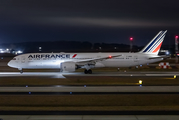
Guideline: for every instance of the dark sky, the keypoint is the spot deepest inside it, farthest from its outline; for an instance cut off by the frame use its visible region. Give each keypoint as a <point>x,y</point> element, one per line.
<point>110,21</point>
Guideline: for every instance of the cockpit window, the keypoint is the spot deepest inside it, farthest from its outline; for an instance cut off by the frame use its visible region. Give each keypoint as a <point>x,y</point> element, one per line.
<point>14,59</point>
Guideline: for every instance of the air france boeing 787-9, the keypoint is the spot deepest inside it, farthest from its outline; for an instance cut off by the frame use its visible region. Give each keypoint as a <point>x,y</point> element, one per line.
<point>69,62</point>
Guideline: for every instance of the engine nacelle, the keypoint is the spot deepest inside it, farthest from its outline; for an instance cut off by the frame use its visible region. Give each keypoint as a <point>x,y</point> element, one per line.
<point>68,67</point>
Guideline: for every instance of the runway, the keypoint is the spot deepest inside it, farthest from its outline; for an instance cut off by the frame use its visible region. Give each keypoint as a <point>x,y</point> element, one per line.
<point>33,74</point>
<point>92,89</point>
<point>62,75</point>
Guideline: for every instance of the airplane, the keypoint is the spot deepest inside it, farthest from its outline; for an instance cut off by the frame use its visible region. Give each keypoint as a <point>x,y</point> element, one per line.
<point>69,62</point>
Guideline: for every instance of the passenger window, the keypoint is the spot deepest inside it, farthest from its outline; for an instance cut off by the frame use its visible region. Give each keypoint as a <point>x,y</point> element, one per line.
<point>14,59</point>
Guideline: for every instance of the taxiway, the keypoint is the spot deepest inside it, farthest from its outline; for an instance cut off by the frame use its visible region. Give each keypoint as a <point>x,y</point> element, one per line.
<point>62,75</point>
<point>92,89</point>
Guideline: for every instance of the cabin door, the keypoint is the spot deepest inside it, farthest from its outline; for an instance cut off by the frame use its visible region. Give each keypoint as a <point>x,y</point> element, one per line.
<point>136,59</point>
<point>23,59</point>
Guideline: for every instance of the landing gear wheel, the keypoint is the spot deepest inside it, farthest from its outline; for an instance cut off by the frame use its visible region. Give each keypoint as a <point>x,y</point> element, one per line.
<point>90,71</point>
<point>21,71</point>
<point>86,71</point>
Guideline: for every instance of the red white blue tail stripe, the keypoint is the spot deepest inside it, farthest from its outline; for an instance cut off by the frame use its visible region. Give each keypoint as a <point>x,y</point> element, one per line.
<point>154,45</point>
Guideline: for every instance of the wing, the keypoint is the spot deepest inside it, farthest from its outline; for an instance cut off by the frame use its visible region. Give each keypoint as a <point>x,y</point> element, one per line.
<point>94,60</point>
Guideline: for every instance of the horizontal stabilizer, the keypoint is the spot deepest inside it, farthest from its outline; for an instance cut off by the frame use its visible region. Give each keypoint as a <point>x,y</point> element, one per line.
<point>159,57</point>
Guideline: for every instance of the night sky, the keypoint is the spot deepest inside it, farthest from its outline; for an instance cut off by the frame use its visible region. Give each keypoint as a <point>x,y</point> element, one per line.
<point>109,21</point>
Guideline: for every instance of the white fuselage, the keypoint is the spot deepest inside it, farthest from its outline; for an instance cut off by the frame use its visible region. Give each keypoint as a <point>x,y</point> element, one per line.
<point>72,61</point>
<point>54,60</point>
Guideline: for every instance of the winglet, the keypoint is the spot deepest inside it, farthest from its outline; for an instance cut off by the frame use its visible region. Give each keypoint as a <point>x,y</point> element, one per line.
<point>155,44</point>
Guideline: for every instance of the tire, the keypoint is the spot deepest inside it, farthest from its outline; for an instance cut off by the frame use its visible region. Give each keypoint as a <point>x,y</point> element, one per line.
<point>21,71</point>
<point>86,71</point>
<point>90,71</point>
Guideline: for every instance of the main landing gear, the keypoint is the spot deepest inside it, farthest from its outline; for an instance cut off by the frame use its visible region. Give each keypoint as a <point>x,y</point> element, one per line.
<point>88,71</point>
<point>88,68</point>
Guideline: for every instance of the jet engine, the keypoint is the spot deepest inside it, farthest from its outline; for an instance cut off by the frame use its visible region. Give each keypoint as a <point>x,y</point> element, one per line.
<point>67,67</point>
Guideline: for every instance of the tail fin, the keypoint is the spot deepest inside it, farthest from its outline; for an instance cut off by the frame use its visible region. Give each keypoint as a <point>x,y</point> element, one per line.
<point>154,45</point>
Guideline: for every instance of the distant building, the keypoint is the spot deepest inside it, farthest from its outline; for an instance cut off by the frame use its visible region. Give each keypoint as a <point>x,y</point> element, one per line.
<point>11,51</point>
<point>5,50</point>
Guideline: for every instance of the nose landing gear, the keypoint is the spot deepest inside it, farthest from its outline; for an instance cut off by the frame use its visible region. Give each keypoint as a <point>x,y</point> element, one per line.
<point>21,71</point>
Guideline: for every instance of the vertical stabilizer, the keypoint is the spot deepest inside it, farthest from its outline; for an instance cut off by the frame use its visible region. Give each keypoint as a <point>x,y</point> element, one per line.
<point>153,47</point>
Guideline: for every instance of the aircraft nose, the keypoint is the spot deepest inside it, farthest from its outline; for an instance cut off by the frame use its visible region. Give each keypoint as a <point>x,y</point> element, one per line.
<point>10,63</point>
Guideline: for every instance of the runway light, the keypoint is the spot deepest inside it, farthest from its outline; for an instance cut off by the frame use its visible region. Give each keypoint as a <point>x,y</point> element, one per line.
<point>70,92</point>
<point>174,76</point>
<point>29,93</point>
<point>110,56</point>
<point>140,82</point>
